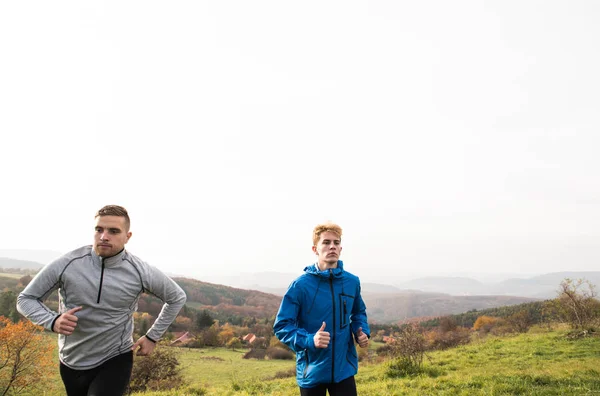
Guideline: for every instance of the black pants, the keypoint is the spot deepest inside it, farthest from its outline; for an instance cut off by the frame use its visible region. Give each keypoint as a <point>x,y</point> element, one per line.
<point>346,387</point>
<point>111,378</point>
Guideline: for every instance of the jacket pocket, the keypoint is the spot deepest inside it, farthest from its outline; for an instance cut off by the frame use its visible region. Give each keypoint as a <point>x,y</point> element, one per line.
<point>346,304</point>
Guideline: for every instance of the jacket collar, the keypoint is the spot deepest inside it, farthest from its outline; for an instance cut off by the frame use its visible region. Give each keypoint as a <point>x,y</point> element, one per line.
<point>109,262</point>
<point>337,272</point>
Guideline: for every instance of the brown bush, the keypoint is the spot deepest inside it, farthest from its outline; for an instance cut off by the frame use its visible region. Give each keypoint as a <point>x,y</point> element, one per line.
<point>281,354</point>
<point>447,324</point>
<point>520,321</point>
<point>440,340</point>
<point>256,353</point>
<point>159,371</point>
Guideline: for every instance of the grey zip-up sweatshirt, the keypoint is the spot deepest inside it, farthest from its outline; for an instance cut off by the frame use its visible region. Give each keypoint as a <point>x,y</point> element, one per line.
<point>108,289</point>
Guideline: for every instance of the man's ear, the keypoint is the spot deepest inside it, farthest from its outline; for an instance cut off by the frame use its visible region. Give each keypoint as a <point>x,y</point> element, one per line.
<point>314,249</point>
<point>128,236</point>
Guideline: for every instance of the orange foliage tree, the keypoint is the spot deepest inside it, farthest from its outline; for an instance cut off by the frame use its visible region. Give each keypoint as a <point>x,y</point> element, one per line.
<point>485,323</point>
<point>26,358</point>
<point>226,333</point>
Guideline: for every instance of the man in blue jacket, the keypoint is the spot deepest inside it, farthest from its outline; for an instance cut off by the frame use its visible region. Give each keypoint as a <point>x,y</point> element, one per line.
<point>320,317</point>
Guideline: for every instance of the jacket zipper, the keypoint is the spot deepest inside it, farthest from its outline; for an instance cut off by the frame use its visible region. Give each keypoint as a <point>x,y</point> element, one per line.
<point>101,279</point>
<point>334,328</point>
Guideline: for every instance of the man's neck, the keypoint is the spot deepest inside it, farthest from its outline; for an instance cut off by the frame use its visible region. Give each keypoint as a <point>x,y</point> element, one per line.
<point>326,266</point>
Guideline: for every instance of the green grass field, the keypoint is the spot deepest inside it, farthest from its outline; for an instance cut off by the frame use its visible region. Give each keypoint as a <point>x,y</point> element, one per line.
<point>220,367</point>
<point>537,363</point>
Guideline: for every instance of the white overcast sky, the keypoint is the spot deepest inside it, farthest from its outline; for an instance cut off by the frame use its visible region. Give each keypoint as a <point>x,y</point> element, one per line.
<point>443,136</point>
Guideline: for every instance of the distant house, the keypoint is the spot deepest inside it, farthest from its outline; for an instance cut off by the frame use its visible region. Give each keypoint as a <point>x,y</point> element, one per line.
<point>249,338</point>
<point>252,339</point>
<point>389,340</point>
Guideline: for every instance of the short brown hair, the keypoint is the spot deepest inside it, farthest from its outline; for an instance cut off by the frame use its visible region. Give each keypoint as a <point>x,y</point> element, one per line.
<point>326,227</point>
<point>114,210</point>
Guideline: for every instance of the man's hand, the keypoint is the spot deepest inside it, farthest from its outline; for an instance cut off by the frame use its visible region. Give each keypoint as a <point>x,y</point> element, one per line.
<point>144,346</point>
<point>66,322</point>
<point>362,338</point>
<point>321,337</point>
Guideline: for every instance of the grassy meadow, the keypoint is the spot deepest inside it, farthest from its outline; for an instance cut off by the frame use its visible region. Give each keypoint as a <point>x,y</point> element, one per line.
<point>540,362</point>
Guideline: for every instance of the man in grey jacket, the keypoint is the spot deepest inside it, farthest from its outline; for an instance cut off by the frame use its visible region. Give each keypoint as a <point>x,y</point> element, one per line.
<point>99,287</point>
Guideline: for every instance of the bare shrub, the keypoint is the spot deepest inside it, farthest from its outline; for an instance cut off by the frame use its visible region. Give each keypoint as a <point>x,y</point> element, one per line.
<point>577,304</point>
<point>410,347</point>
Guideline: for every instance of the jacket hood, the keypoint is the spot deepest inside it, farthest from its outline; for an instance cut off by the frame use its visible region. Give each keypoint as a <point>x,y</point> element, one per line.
<point>337,272</point>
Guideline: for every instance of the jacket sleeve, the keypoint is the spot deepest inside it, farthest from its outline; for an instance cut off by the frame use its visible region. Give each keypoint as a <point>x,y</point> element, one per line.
<point>358,318</point>
<point>286,323</point>
<point>30,302</point>
<point>160,285</point>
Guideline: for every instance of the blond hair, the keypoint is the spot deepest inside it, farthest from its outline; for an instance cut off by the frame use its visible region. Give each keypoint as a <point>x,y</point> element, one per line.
<point>326,227</point>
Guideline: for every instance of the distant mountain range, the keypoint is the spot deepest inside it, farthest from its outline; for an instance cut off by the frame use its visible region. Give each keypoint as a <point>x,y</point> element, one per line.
<point>542,286</point>
<point>39,256</point>
<point>6,262</point>
<point>537,287</point>
<point>428,296</point>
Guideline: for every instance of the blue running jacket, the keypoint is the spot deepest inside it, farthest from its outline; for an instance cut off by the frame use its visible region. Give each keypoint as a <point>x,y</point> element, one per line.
<point>331,296</point>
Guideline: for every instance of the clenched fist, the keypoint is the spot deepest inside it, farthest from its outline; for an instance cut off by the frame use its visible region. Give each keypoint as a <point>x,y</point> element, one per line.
<point>66,322</point>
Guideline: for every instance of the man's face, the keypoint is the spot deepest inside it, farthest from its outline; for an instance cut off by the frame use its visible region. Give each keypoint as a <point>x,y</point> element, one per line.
<point>111,235</point>
<point>328,249</point>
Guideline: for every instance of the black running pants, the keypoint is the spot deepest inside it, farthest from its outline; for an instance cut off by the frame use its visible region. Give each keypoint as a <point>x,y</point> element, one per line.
<point>111,378</point>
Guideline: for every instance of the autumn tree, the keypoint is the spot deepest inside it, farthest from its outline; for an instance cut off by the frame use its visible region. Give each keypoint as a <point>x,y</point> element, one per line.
<point>234,343</point>
<point>25,357</point>
<point>226,333</point>
<point>484,323</point>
